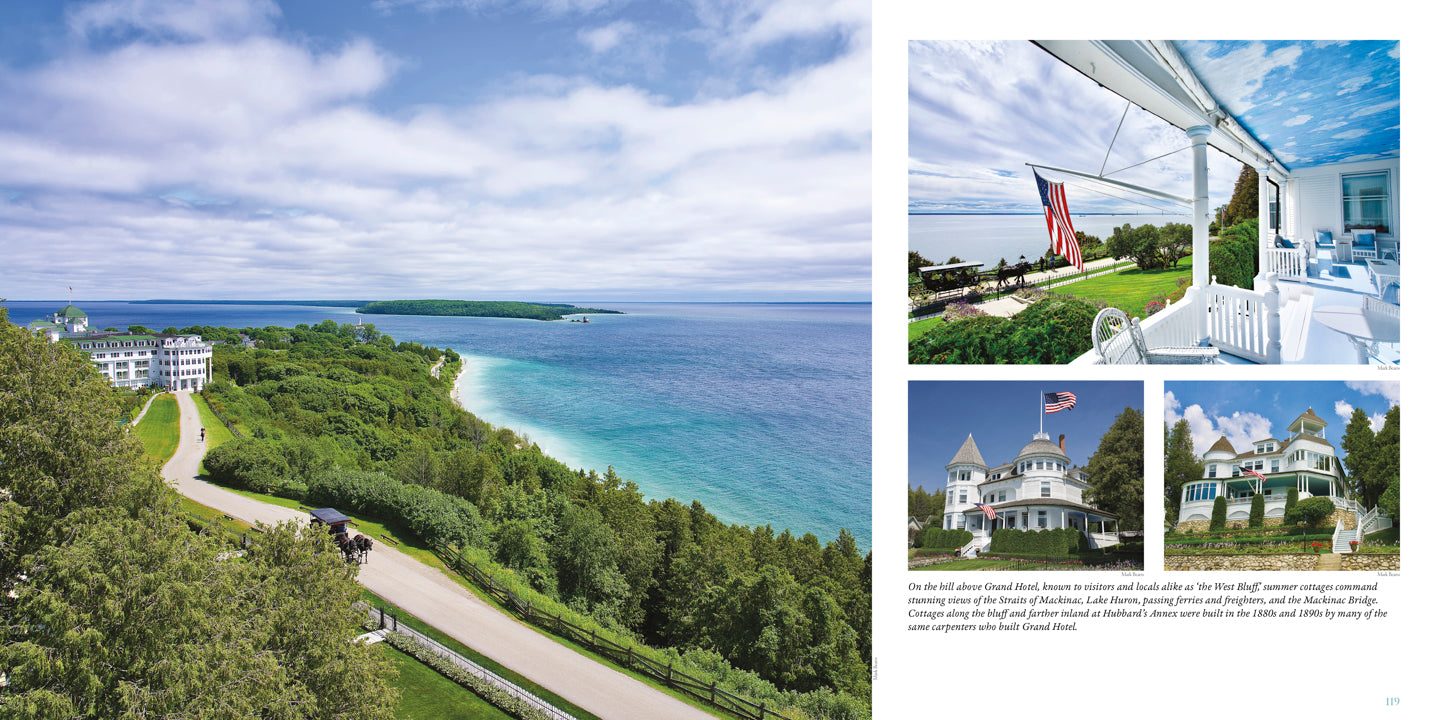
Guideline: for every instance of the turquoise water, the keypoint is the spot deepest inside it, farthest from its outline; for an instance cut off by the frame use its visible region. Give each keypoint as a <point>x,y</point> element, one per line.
<point>759,411</point>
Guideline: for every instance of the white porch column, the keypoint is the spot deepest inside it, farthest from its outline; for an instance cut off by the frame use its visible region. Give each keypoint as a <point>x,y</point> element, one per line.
<point>1263,170</point>
<point>1200,221</point>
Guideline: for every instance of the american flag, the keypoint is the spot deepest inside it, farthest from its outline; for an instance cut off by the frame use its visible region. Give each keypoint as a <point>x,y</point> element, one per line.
<point>1057,221</point>
<point>1254,474</point>
<point>989,511</point>
<point>1057,401</point>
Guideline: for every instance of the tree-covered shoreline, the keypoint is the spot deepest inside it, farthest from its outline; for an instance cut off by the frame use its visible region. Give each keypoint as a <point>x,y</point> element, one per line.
<point>479,308</point>
<point>342,415</point>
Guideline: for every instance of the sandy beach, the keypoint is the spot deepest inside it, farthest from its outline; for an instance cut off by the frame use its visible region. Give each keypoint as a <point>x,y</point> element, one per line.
<point>455,386</point>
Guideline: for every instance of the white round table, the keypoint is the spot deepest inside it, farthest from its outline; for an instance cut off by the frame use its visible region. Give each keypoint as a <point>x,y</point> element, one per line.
<point>1362,329</point>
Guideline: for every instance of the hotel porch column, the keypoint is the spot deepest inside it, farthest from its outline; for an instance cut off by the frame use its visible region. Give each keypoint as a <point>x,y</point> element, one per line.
<point>1200,220</point>
<point>1263,170</point>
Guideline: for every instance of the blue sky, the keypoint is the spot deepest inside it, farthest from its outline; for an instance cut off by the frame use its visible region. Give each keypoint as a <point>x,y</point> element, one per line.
<point>534,149</point>
<point>980,110</point>
<point>1003,417</point>
<point>1248,411</point>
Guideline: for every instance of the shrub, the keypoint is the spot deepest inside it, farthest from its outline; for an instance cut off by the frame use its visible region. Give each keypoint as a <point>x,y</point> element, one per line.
<point>946,539</point>
<point>435,517</point>
<point>1292,496</point>
<point>1053,329</point>
<point>1218,512</point>
<point>1310,511</point>
<point>1257,511</point>
<point>1154,306</point>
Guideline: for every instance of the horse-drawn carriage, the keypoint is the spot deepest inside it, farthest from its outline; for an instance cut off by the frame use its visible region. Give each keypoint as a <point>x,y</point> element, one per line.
<point>355,549</point>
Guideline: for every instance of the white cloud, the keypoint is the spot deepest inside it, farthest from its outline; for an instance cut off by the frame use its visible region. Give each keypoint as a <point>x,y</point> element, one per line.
<point>1297,120</point>
<point>603,39</point>
<point>1242,429</point>
<point>562,186</point>
<point>1388,390</point>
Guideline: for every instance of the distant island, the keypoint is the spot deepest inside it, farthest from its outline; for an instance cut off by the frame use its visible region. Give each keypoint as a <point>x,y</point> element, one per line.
<point>479,308</point>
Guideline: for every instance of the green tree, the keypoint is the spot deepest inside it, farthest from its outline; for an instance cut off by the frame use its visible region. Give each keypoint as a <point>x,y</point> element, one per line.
<point>1390,501</point>
<point>918,261</point>
<point>1218,511</point>
<point>1310,512</point>
<point>1181,466</point>
<point>1117,470</point>
<point>1359,446</point>
<point>1140,244</point>
<point>1245,198</point>
<point>116,608</point>
<point>1385,457</point>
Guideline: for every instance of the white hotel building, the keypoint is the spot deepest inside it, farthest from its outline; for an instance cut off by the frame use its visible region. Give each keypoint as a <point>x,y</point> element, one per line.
<point>172,362</point>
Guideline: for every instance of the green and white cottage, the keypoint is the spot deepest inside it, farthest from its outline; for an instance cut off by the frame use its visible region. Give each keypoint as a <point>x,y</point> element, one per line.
<point>1305,460</point>
<point>171,362</point>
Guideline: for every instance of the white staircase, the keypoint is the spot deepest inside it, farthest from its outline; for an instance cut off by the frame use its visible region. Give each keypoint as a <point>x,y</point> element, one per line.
<point>1341,543</point>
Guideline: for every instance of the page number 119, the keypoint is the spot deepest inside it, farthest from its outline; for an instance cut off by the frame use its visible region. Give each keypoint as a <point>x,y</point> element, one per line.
<point>1392,701</point>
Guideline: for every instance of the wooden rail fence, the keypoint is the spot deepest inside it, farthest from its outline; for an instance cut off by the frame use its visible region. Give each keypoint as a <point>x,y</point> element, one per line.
<point>627,655</point>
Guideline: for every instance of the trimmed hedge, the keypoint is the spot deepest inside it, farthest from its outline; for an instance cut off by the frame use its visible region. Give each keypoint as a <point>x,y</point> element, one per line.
<point>946,539</point>
<point>1050,542</point>
<point>1217,513</point>
<point>1257,511</point>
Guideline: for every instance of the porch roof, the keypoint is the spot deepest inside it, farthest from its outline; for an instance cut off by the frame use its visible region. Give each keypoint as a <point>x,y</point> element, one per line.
<point>1288,103</point>
<point>1311,103</point>
<point>1046,502</point>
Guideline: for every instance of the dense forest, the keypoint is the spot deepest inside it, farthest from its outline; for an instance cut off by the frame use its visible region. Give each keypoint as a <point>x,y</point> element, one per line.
<point>478,308</point>
<point>115,607</point>
<point>344,416</point>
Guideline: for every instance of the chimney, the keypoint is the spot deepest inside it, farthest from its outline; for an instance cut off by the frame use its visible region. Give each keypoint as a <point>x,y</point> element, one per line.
<point>1062,443</point>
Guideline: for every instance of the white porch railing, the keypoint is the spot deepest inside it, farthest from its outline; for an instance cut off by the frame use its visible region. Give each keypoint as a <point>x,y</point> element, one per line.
<point>1285,262</point>
<point>1245,323</point>
<point>1104,539</point>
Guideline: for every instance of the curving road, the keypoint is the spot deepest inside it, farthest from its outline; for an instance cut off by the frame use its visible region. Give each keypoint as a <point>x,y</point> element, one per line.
<point>432,597</point>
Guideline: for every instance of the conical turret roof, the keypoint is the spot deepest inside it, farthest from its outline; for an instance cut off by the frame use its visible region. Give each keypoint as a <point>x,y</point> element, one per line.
<point>1223,445</point>
<point>969,454</point>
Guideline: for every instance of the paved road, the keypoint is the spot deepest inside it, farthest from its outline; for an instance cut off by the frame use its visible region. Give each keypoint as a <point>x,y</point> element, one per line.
<point>432,597</point>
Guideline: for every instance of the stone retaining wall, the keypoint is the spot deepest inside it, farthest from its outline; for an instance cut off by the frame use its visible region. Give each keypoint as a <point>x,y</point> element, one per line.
<point>1366,561</point>
<point>1296,561</point>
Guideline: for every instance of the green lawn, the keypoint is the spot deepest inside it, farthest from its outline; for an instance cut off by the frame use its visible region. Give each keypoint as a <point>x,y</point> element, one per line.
<point>1129,290</point>
<point>159,430</point>
<point>920,327</point>
<point>477,658</point>
<point>216,434</point>
<point>426,694</point>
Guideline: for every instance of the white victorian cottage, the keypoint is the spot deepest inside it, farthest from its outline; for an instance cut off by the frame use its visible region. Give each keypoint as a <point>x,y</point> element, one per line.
<point>1040,490</point>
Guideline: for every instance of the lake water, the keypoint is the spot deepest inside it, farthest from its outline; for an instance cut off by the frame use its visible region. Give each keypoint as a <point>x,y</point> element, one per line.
<point>759,411</point>
<point>988,238</point>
